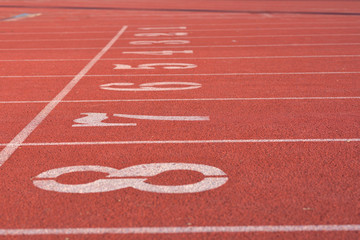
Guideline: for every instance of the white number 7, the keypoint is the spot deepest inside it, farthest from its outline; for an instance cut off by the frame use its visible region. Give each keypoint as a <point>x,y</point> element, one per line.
<point>95,119</point>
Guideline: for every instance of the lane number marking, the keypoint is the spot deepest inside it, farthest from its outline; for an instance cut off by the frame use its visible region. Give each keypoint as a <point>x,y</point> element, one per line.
<point>95,119</point>
<point>160,34</point>
<point>156,86</point>
<point>153,65</point>
<point>161,28</point>
<point>160,53</point>
<point>134,177</point>
<point>166,42</point>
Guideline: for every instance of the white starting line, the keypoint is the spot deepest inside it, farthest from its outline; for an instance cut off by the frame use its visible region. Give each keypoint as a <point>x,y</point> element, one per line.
<point>174,230</point>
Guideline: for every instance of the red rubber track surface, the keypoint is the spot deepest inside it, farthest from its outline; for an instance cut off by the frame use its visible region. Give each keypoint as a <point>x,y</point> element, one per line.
<point>272,101</point>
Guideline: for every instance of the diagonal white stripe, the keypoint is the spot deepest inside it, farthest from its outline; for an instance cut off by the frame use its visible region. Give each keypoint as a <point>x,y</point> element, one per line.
<point>20,138</point>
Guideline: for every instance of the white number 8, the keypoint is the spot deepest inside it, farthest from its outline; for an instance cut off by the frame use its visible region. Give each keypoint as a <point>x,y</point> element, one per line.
<point>134,177</point>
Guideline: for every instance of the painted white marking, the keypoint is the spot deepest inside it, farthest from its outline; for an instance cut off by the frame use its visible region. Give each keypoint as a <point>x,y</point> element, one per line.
<point>161,34</point>
<point>151,86</point>
<point>183,58</point>
<point>200,37</point>
<point>39,49</point>
<point>188,99</point>
<point>60,33</point>
<point>134,177</point>
<point>156,28</point>
<point>24,133</point>
<point>347,140</point>
<point>312,23</point>
<point>166,42</point>
<point>244,57</point>
<point>153,65</point>
<point>160,53</point>
<point>174,230</point>
<point>186,74</point>
<point>165,118</point>
<point>53,39</point>
<point>254,45</point>
<point>198,46</point>
<point>269,28</point>
<point>267,36</point>
<point>95,120</point>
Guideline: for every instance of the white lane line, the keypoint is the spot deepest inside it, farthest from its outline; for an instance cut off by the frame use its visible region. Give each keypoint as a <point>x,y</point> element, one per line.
<point>174,230</point>
<point>49,60</point>
<point>111,59</point>
<point>248,36</point>
<point>199,37</point>
<point>182,142</point>
<point>47,49</point>
<point>53,40</point>
<point>251,29</point>
<point>197,24</point>
<point>246,57</point>
<point>39,33</point>
<point>186,99</point>
<point>186,74</point>
<point>251,45</point>
<point>187,30</point>
<point>188,46</point>
<point>21,137</point>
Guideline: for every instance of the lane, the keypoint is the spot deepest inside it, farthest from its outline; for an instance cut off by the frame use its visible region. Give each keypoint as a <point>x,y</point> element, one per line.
<point>213,120</point>
<point>34,68</point>
<point>30,88</point>
<point>16,117</point>
<point>144,44</point>
<point>142,30</point>
<point>218,87</point>
<point>258,187</point>
<point>239,50</point>
<point>177,34</point>
<point>192,26</point>
<point>194,66</point>
<point>48,54</point>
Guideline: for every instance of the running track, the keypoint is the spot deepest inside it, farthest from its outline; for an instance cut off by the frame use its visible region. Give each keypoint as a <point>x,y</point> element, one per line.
<point>179,119</point>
